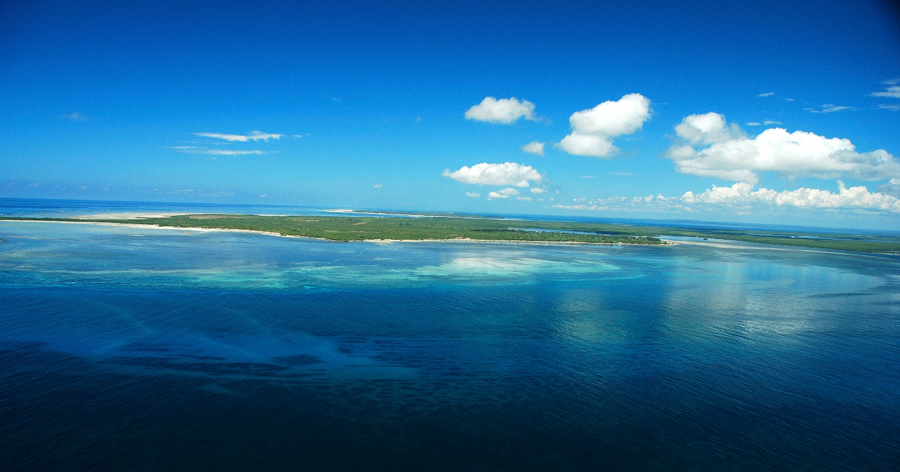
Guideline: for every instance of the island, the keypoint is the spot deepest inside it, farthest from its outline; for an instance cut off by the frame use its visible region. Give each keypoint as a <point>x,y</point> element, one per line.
<point>437,227</point>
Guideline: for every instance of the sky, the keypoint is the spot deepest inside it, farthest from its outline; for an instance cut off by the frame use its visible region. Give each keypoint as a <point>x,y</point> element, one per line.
<point>782,112</point>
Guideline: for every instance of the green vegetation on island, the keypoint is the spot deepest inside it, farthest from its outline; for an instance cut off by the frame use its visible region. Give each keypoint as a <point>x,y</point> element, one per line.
<point>452,227</point>
<point>341,228</point>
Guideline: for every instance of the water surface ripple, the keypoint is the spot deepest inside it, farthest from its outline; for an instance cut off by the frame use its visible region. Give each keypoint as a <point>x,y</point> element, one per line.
<point>146,349</point>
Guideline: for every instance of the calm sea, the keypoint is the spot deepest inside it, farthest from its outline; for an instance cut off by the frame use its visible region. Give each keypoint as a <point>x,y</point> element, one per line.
<point>147,349</point>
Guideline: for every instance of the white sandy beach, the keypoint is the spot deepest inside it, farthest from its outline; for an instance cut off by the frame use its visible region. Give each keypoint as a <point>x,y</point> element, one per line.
<point>126,215</point>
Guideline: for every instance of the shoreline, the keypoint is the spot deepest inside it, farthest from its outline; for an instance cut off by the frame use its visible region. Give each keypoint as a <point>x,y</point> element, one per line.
<point>504,241</point>
<point>735,244</point>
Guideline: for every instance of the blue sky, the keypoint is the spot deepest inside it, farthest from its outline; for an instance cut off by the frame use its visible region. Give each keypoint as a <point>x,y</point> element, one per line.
<point>721,111</point>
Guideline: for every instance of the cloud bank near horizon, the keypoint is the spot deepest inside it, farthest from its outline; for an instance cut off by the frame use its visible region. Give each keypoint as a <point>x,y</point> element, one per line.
<point>507,174</point>
<point>743,193</point>
<point>505,193</point>
<point>730,155</point>
<point>743,198</point>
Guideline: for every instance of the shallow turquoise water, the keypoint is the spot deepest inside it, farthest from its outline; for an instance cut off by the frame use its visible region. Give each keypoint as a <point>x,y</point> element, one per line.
<point>138,348</point>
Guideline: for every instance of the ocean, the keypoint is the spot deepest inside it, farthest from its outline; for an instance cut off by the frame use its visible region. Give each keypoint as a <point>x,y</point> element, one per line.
<point>128,348</point>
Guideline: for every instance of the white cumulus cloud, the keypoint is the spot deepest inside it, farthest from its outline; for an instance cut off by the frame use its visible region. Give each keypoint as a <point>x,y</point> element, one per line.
<point>767,94</point>
<point>891,188</point>
<point>590,145</point>
<point>534,147</point>
<point>505,193</point>
<point>797,154</point>
<point>473,194</point>
<point>707,129</point>
<point>610,118</point>
<point>504,110</point>
<point>508,173</point>
<point>243,138</point>
<point>593,129</point>
<point>537,190</point>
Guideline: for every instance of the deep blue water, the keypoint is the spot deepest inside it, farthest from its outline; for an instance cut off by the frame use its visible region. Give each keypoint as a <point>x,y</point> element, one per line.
<point>146,349</point>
